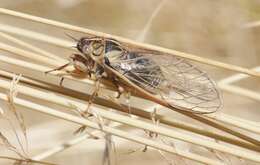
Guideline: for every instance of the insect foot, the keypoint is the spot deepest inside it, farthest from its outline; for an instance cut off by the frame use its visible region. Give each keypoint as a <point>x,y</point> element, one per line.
<point>120,91</point>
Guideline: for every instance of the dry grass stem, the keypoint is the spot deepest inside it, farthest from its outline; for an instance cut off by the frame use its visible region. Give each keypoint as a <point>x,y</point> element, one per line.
<point>9,61</point>
<point>68,103</point>
<point>223,84</point>
<point>238,135</point>
<point>124,40</point>
<point>116,132</point>
<point>29,55</point>
<point>68,144</point>
<point>241,125</point>
<point>27,161</point>
<point>40,68</point>
<point>18,116</point>
<point>36,36</point>
<point>31,47</point>
<point>160,130</point>
<point>254,24</point>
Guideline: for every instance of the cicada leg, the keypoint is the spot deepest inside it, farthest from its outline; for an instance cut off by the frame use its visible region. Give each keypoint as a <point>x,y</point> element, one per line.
<point>74,73</point>
<point>120,88</point>
<point>86,113</point>
<point>120,91</point>
<point>91,99</point>
<point>59,68</point>
<point>155,121</point>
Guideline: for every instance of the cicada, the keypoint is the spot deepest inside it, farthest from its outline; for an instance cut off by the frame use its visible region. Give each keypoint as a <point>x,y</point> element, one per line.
<point>166,77</point>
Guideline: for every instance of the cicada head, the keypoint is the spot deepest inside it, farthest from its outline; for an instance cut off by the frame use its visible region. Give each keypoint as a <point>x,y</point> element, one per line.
<point>92,47</point>
<point>83,45</point>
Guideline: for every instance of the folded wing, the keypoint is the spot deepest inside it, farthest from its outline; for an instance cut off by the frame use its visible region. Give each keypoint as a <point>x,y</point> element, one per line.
<point>180,83</point>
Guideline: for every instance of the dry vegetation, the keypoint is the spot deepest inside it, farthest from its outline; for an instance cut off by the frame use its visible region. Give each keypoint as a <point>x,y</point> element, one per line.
<point>29,96</point>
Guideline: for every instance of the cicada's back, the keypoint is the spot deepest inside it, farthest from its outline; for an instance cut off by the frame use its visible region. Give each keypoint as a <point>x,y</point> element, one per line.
<point>174,79</point>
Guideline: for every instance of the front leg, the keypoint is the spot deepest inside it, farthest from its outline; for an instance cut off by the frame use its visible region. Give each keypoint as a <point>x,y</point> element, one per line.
<point>98,72</point>
<point>58,68</point>
<point>83,66</point>
<point>92,98</point>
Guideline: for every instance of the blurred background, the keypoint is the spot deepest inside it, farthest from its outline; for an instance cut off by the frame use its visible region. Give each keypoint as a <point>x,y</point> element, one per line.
<point>211,29</point>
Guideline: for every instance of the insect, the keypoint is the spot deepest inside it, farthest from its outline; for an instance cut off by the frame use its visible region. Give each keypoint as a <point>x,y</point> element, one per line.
<point>170,78</point>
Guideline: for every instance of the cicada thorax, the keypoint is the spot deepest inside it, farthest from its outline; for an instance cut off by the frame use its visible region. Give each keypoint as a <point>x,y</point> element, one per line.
<point>140,70</point>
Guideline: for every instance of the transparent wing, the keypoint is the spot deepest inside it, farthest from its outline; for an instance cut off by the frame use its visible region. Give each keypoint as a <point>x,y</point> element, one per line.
<point>174,79</point>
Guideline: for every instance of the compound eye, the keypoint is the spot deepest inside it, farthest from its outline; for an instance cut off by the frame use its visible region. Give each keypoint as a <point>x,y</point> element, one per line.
<point>82,43</point>
<point>98,48</point>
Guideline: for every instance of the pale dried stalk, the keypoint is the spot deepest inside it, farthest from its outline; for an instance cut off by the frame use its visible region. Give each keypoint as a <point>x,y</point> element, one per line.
<point>166,120</point>
<point>30,55</point>
<point>116,132</point>
<point>140,124</point>
<point>61,147</point>
<point>31,47</point>
<point>27,161</point>
<point>244,126</point>
<point>253,24</point>
<point>219,117</point>
<point>68,144</point>
<point>241,91</point>
<point>223,84</point>
<point>236,77</point>
<point>51,62</point>
<point>124,40</point>
<point>13,91</point>
<point>36,36</point>
<point>163,119</point>
<point>34,66</point>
